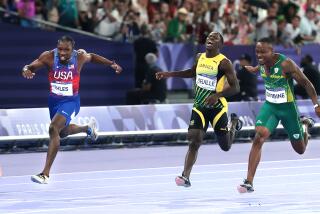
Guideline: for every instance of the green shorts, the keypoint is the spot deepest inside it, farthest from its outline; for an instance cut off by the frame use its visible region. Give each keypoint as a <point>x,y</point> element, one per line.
<point>270,114</point>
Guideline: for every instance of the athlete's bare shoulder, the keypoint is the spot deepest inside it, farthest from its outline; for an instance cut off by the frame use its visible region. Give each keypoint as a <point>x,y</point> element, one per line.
<point>46,57</point>
<point>81,51</point>
<point>83,56</point>
<point>226,60</point>
<point>288,66</point>
<point>225,63</point>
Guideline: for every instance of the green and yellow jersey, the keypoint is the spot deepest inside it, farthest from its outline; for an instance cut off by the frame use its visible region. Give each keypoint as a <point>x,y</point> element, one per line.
<point>279,88</point>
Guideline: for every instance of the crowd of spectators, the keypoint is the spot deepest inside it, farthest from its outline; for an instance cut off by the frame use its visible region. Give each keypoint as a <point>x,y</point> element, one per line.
<point>241,22</point>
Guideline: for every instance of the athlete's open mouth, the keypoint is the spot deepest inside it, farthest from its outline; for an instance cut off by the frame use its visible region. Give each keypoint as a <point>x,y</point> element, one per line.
<point>209,44</point>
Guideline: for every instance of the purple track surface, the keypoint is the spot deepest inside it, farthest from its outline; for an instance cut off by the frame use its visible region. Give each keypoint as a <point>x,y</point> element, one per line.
<point>141,181</point>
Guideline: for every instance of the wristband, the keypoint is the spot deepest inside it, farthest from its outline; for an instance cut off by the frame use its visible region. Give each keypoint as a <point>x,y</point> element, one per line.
<point>316,105</point>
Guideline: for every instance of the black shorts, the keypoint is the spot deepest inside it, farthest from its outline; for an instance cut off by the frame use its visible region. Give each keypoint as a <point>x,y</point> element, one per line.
<point>217,116</point>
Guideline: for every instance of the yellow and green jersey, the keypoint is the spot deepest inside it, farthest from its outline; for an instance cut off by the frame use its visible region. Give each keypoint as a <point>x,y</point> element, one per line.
<point>209,79</point>
<point>279,88</point>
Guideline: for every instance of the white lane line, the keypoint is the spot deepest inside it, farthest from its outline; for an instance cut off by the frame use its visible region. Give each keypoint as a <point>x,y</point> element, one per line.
<point>301,207</point>
<point>139,185</point>
<point>164,202</point>
<point>178,190</point>
<point>162,175</point>
<point>171,167</point>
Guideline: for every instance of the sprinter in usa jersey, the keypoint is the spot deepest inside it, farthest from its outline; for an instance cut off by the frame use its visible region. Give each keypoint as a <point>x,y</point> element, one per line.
<point>64,64</point>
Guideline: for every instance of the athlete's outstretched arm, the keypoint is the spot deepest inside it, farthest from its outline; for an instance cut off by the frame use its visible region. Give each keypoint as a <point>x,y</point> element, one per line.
<point>28,71</point>
<point>292,69</point>
<point>188,73</point>
<point>95,58</point>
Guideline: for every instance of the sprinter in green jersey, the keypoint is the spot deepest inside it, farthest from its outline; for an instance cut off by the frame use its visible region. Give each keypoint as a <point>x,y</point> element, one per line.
<point>278,73</point>
<point>210,70</point>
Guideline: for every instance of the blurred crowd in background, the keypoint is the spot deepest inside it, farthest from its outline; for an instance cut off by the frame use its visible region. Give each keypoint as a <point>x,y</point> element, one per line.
<point>148,23</point>
<point>241,22</point>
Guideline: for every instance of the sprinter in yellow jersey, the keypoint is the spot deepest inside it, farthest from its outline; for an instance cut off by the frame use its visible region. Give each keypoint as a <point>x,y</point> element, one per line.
<point>210,71</point>
<point>278,73</point>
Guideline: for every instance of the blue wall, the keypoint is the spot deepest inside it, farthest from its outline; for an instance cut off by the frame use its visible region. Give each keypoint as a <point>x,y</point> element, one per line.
<point>99,84</point>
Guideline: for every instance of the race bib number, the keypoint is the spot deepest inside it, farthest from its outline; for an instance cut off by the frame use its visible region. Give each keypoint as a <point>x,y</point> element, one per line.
<point>276,96</point>
<point>206,82</point>
<point>62,89</point>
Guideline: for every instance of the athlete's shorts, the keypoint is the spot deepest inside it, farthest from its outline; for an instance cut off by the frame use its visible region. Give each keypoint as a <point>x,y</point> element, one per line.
<point>217,116</point>
<point>67,107</point>
<point>270,114</point>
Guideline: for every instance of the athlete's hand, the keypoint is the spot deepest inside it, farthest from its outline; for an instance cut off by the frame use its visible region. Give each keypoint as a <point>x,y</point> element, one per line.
<point>251,68</point>
<point>162,75</point>
<point>212,99</point>
<point>26,73</point>
<point>116,67</point>
<point>317,110</point>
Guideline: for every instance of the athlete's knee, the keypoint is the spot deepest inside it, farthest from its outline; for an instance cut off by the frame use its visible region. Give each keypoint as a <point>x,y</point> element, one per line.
<point>262,133</point>
<point>194,135</point>
<point>299,147</point>
<point>221,133</point>
<point>259,139</point>
<point>195,138</point>
<point>224,141</point>
<point>194,146</point>
<point>63,133</point>
<point>225,147</point>
<point>53,130</point>
<point>300,152</point>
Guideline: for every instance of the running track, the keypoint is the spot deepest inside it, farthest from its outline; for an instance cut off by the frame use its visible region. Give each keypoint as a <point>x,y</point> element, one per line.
<point>141,180</point>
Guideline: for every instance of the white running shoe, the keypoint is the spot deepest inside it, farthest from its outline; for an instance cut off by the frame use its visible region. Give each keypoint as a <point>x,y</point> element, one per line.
<point>182,181</point>
<point>245,187</point>
<point>40,178</point>
<point>239,124</point>
<point>92,130</point>
<point>307,120</point>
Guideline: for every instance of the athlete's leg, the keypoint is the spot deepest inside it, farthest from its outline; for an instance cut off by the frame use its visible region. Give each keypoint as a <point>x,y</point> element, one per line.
<point>195,136</point>
<point>296,127</point>
<point>302,129</point>
<point>225,137</point>
<point>73,129</point>
<point>262,133</point>
<point>69,110</point>
<point>197,127</point>
<point>57,124</point>
<point>266,123</point>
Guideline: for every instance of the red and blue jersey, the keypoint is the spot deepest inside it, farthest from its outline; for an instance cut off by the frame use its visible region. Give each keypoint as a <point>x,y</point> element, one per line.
<point>64,79</point>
